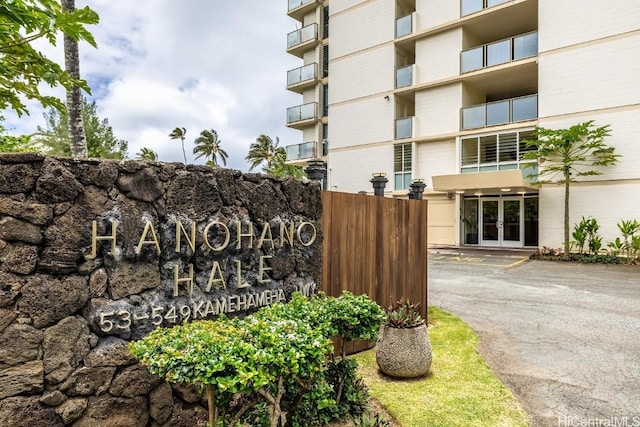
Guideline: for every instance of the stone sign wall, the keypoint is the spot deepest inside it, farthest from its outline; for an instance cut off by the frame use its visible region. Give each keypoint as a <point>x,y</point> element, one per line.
<point>94,254</point>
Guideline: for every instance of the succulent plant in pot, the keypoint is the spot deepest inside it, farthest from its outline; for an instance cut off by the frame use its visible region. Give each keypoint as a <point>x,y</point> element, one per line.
<point>403,349</point>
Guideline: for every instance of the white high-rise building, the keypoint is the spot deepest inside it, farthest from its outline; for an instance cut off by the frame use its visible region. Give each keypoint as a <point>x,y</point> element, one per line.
<point>445,91</point>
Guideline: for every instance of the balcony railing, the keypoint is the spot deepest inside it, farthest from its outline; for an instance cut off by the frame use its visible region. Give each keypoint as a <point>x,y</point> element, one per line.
<point>299,8</point>
<point>404,76</point>
<point>500,112</point>
<point>294,4</point>
<point>302,112</point>
<point>306,150</point>
<point>404,25</point>
<point>467,7</point>
<point>303,35</point>
<point>500,52</point>
<point>404,128</point>
<point>302,74</point>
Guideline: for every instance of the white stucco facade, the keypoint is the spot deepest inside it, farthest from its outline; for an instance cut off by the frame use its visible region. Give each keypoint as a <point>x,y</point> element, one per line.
<point>446,91</point>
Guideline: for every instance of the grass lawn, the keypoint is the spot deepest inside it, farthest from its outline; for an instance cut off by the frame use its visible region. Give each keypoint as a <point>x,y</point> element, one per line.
<point>460,390</point>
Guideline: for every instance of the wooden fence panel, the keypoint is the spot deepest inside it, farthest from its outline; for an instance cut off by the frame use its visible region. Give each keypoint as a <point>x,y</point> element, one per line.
<point>375,246</point>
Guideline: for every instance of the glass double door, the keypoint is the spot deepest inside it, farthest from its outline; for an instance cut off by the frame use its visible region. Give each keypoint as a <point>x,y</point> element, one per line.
<point>501,222</point>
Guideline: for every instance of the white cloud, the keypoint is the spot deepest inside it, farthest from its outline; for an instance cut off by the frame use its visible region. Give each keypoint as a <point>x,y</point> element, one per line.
<point>191,63</point>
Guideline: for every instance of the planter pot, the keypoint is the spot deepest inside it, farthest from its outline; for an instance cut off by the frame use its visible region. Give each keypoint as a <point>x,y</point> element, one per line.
<point>404,353</point>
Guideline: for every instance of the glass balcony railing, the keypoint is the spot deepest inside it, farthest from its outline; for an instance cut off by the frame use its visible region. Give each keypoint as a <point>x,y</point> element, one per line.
<point>404,76</point>
<point>524,108</point>
<point>500,112</point>
<point>525,46</point>
<point>404,128</point>
<point>294,4</point>
<point>302,74</point>
<point>499,52</point>
<point>304,34</point>
<point>306,150</point>
<point>302,112</point>
<point>404,25</point>
<point>467,7</point>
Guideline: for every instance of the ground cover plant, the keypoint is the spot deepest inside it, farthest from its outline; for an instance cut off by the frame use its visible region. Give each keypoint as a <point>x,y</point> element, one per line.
<point>459,391</point>
<point>273,368</point>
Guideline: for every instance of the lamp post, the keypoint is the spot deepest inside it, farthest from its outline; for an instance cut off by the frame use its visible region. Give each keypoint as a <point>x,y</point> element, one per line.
<point>416,189</point>
<point>379,181</point>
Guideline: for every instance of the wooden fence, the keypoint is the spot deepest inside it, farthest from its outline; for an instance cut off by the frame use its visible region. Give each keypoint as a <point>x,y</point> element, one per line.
<point>375,246</point>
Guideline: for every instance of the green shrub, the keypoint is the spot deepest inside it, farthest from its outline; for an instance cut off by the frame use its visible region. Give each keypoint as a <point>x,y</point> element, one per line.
<point>630,243</point>
<point>346,390</point>
<point>276,360</point>
<point>616,246</point>
<point>586,231</point>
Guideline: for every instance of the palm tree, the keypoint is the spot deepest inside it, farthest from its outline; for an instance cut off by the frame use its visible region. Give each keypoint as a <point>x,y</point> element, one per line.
<point>208,145</point>
<point>264,150</point>
<point>179,133</point>
<point>74,98</point>
<point>147,155</point>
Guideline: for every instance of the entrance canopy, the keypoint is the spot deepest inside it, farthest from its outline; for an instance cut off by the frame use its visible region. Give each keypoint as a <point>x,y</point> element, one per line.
<point>498,182</point>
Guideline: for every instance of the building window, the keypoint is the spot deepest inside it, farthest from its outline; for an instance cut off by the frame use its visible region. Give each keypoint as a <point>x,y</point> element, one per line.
<point>325,60</point>
<point>485,153</point>
<point>325,100</point>
<point>325,22</point>
<point>325,139</point>
<point>401,166</point>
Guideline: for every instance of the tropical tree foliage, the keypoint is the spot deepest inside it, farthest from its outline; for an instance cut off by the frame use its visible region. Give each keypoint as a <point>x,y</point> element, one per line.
<point>54,137</point>
<point>23,68</point>
<point>565,154</point>
<point>147,155</point>
<point>264,150</point>
<point>208,146</point>
<point>281,168</point>
<point>11,143</point>
<point>179,133</point>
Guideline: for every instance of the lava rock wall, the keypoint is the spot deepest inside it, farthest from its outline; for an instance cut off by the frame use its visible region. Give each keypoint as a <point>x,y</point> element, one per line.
<point>94,254</point>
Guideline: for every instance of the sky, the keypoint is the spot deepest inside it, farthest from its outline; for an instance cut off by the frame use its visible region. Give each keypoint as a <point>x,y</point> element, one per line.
<point>197,64</point>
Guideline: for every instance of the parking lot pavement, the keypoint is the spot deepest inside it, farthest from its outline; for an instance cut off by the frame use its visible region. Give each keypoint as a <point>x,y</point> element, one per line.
<point>488,257</point>
<point>486,260</point>
<point>564,337</point>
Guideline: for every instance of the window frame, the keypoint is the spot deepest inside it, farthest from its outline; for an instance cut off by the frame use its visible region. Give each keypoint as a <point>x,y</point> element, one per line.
<point>402,166</point>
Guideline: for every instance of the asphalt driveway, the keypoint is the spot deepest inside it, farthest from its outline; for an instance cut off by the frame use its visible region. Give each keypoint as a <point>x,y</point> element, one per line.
<point>564,337</point>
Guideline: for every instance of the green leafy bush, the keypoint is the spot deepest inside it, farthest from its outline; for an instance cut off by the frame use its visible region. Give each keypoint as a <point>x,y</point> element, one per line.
<point>340,392</point>
<point>277,359</point>
<point>349,316</point>
<point>346,391</point>
<point>629,246</point>
<point>355,317</point>
<point>586,231</point>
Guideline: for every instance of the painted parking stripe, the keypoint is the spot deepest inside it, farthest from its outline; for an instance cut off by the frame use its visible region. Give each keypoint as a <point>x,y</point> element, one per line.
<point>479,260</point>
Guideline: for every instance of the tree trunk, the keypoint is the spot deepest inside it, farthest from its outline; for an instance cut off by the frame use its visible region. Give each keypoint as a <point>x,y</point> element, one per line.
<point>77,136</point>
<point>213,409</point>
<point>184,153</point>
<point>566,217</point>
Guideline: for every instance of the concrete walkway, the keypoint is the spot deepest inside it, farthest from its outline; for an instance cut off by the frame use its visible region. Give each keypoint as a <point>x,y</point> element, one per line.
<point>564,337</point>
